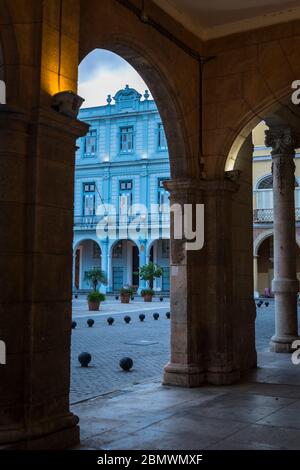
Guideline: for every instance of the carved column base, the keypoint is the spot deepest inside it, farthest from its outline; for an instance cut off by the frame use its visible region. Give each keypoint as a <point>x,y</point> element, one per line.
<point>183,375</point>
<point>282,344</point>
<point>56,434</point>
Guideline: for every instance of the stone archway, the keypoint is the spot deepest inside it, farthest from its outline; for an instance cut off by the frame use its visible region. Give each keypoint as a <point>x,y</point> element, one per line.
<point>87,254</point>
<point>123,34</point>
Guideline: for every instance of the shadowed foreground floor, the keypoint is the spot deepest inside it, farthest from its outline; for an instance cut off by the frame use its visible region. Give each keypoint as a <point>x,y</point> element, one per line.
<point>261,412</point>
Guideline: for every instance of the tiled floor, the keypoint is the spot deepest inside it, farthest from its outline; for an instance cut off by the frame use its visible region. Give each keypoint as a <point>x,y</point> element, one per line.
<point>261,412</point>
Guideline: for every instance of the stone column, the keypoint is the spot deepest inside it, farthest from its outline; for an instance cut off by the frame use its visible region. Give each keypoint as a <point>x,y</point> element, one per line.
<point>255,276</point>
<point>285,286</point>
<point>37,159</point>
<point>186,366</point>
<point>206,337</point>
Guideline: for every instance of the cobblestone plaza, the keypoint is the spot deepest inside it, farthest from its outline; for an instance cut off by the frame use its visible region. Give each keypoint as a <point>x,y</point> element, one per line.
<point>147,343</point>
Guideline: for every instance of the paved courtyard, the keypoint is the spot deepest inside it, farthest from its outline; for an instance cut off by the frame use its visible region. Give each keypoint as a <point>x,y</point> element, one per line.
<point>147,343</point>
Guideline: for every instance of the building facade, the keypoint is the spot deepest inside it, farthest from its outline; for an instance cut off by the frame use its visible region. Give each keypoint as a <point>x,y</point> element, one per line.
<point>121,163</point>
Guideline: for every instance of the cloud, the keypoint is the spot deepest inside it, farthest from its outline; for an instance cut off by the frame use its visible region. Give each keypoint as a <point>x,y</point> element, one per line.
<point>103,73</point>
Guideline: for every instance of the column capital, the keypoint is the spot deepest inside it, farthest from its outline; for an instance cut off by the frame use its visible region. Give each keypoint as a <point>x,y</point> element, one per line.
<point>283,140</point>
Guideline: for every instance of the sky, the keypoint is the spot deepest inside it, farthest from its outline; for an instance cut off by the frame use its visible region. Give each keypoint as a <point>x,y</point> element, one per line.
<point>103,73</point>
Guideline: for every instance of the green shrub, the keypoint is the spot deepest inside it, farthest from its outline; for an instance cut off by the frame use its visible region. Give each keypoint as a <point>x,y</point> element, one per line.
<point>96,296</point>
<point>126,291</point>
<point>147,292</point>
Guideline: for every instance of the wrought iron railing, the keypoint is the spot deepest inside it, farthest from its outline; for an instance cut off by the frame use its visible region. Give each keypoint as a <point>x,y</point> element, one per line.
<point>151,219</point>
<point>261,216</point>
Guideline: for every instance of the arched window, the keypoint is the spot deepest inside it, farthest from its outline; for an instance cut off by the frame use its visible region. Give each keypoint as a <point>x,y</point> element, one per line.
<point>264,193</point>
<point>267,183</point>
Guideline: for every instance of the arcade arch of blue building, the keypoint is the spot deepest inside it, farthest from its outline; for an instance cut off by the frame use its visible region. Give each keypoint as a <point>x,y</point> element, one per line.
<point>123,159</point>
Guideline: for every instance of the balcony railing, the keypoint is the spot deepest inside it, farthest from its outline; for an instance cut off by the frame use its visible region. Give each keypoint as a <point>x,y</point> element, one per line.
<point>262,216</point>
<point>151,219</point>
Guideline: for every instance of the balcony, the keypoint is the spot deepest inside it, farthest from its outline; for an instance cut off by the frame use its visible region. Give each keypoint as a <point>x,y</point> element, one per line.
<point>89,222</point>
<point>263,216</point>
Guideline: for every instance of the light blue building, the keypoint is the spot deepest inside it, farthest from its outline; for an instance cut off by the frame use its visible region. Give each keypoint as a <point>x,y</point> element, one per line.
<point>122,161</point>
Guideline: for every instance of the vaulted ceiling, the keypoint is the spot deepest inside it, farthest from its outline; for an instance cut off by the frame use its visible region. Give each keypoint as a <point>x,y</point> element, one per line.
<point>216,18</point>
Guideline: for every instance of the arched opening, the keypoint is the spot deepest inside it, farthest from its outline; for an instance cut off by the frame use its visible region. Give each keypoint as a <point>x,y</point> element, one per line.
<point>253,156</point>
<point>86,256</point>
<point>120,169</point>
<point>263,251</point>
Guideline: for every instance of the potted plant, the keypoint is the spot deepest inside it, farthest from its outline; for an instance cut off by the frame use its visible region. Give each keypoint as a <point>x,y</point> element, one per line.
<point>94,298</point>
<point>95,277</point>
<point>126,294</point>
<point>147,294</point>
<point>148,273</point>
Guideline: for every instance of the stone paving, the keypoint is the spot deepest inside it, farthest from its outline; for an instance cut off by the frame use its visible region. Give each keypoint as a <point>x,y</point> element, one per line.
<point>146,343</point>
<point>261,412</point>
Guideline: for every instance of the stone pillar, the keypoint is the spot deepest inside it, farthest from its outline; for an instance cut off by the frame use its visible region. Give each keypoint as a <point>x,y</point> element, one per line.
<point>206,344</point>
<point>255,276</point>
<point>37,159</point>
<point>285,286</point>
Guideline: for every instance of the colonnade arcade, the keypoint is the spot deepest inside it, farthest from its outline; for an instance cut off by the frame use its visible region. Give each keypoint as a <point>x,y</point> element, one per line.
<point>212,305</point>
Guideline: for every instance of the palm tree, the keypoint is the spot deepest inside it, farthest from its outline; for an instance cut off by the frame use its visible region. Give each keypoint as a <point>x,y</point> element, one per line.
<point>95,277</point>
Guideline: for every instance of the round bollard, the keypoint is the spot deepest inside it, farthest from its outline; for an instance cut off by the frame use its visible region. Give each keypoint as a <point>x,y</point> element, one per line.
<point>127,319</point>
<point>74,324</point>
<point>126,363</point>
<point>84,358</point>
<point>90,322</point>
<point>267,304</point>
<point>168,315</point>
<point>110,320</point>
<point>142,317</point>
<point>161,299</point>
<point>117,297</point>
<point>156,316</point>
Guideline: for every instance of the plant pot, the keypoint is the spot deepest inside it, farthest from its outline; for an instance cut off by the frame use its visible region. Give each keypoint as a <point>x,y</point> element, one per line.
<point>94,306</point>
<point>148,297</point>
<point>125,298</point>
